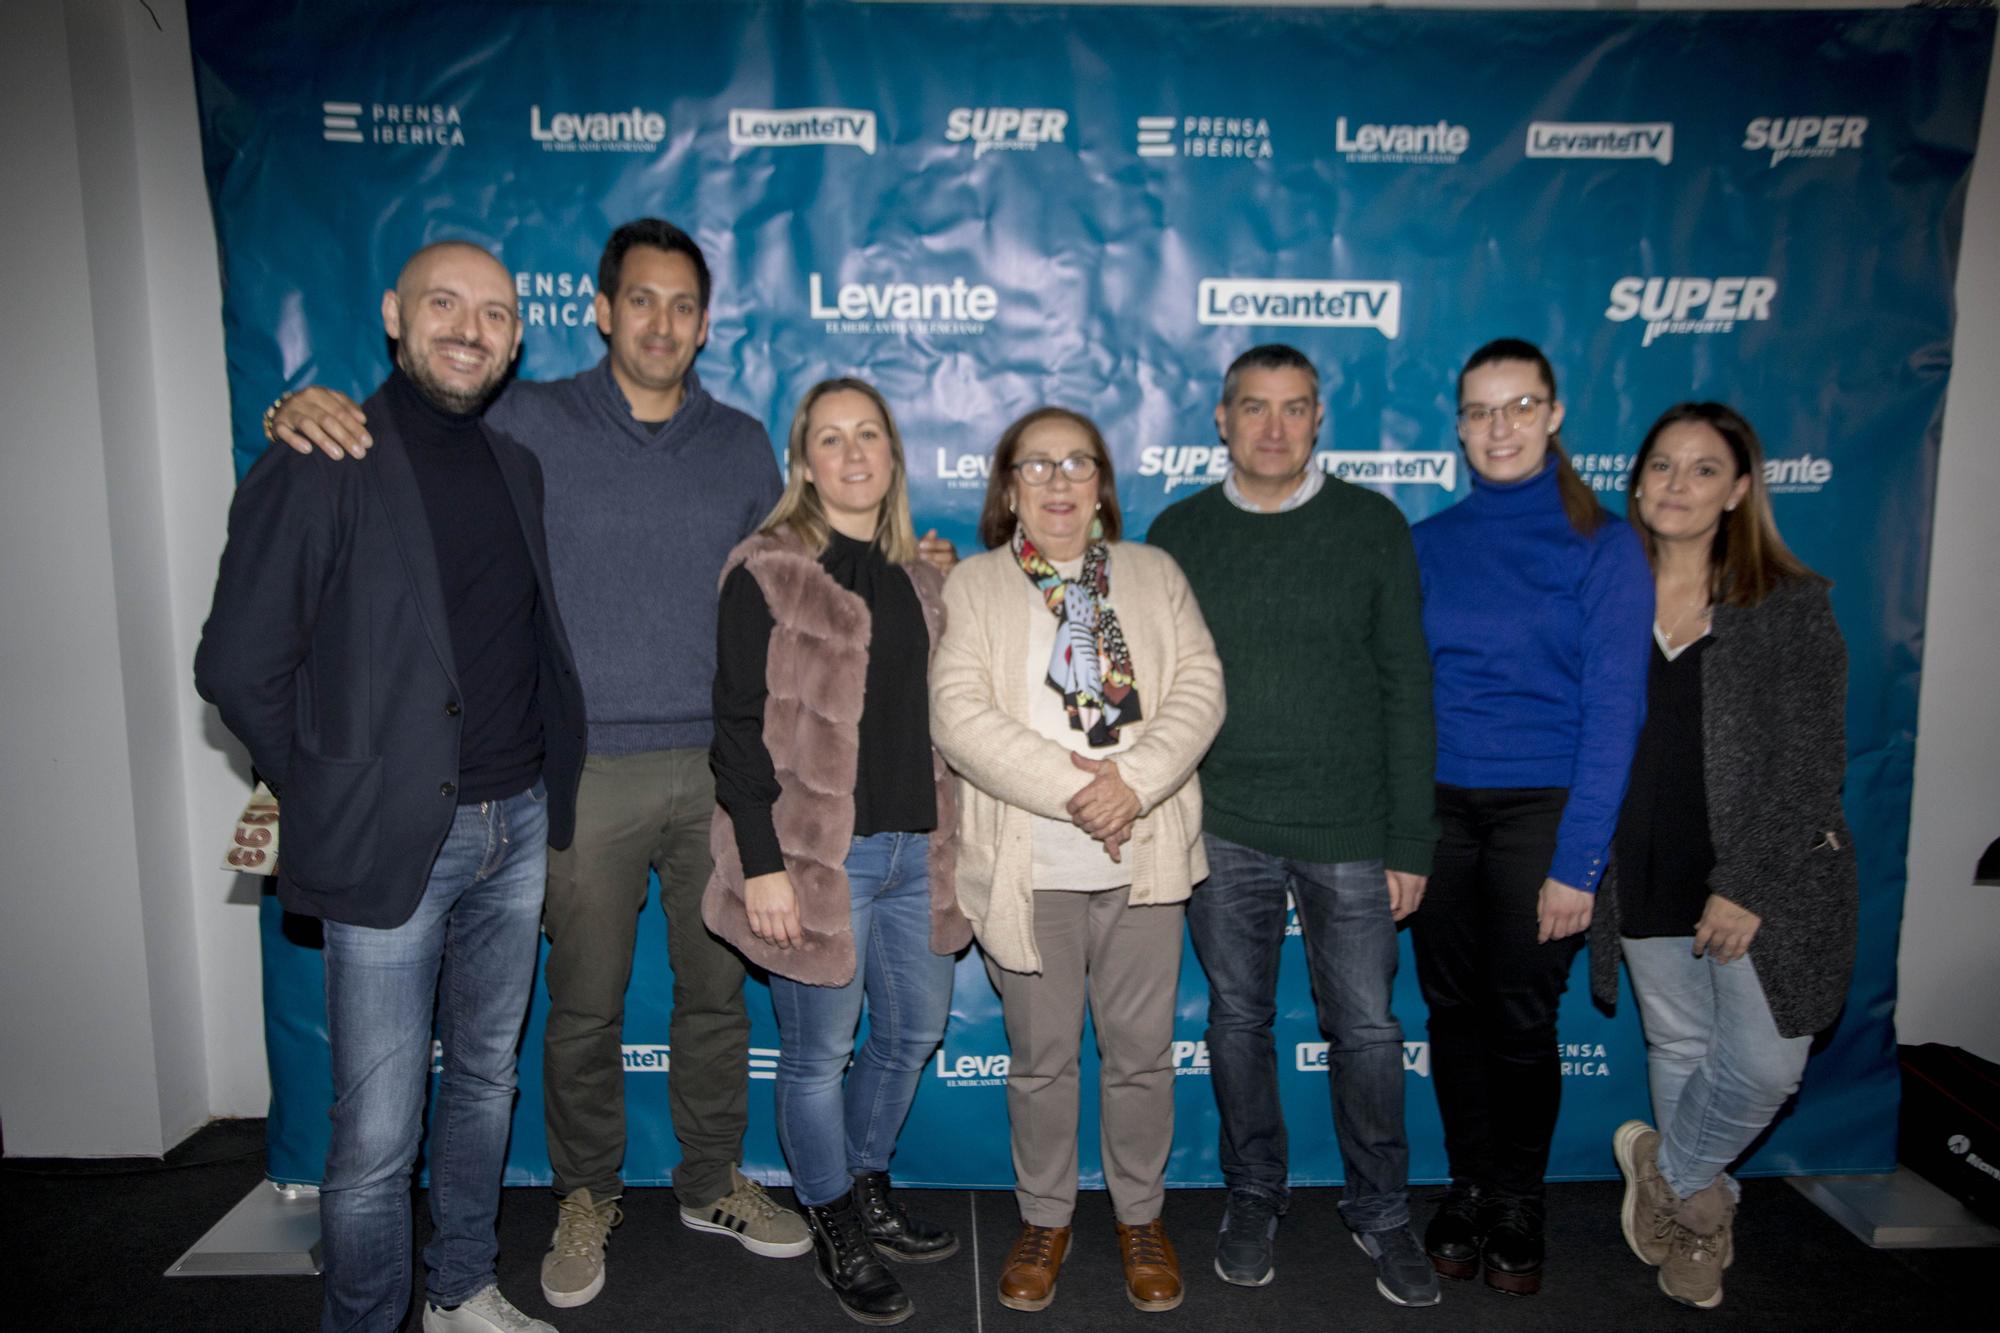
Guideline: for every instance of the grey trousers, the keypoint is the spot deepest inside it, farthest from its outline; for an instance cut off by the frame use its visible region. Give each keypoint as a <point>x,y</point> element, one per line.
<point>634,813</point>
<point>1125,962</point>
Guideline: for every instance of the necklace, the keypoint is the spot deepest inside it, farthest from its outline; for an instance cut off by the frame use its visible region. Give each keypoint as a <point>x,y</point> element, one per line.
<point>1672,628</point>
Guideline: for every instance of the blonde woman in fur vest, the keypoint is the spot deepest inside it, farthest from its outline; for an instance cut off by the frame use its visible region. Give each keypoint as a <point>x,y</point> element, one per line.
<point>835,840</point>
<point>1075,690</point>
<point>1732,894</point>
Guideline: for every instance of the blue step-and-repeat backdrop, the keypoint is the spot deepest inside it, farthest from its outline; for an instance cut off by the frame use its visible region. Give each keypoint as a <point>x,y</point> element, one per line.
<point>983,209</point>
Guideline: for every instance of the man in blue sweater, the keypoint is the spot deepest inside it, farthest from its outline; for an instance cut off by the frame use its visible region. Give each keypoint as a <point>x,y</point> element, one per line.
<point>650,483</point>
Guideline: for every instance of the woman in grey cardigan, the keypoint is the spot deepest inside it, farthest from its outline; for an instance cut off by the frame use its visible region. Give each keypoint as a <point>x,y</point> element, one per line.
<point>1732,891</point>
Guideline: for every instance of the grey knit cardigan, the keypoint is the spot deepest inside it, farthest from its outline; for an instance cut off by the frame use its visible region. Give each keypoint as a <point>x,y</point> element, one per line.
<point>1774,748</point>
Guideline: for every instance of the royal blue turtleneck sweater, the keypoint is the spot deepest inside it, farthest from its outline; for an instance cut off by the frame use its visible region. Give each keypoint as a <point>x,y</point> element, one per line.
<point>1539,638</point>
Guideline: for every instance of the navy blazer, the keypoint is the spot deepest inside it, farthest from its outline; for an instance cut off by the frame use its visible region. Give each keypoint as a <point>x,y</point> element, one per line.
<point>328,654</point>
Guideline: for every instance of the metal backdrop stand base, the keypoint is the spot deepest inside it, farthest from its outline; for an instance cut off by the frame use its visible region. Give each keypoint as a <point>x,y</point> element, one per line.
<point>1899,1211</point>
<point>272,1232</point>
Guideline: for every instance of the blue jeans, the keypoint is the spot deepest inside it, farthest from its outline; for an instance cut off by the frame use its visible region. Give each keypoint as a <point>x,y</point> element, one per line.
<point>1237,919</point>
<point>467,955</point>
<point>1719,1068</point>
<point>829,1134</point>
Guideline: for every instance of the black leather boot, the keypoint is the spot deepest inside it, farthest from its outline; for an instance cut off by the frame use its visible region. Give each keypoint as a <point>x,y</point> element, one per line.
<point>1453,1238</point>
<point>1512,1250</point>
<point>906,1239</point>
<point>848,1265</point>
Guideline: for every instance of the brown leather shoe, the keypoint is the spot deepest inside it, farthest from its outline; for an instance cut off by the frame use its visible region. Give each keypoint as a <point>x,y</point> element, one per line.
<point>1152,1270</point>
<point>1028,1279</point>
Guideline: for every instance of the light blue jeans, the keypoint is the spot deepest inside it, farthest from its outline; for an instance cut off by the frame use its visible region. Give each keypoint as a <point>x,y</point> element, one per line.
<point>1719,1068</point>
<point>830,1133</point>
<point>467,956</point>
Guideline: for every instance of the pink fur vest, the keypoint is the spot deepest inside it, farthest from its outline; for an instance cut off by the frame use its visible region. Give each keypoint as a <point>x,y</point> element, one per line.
<point>817,673</point>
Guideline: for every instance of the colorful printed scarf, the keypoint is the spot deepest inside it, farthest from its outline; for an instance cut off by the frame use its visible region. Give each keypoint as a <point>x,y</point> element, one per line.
<point>1091,668</point>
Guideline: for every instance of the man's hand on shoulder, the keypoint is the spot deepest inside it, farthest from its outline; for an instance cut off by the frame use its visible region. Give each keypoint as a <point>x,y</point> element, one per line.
<point>319,418</point>
<point>937,551</point>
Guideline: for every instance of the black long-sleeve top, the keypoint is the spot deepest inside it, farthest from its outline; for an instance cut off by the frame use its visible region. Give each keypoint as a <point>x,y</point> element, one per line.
<point>1663,845</point>
<point>892,780</point>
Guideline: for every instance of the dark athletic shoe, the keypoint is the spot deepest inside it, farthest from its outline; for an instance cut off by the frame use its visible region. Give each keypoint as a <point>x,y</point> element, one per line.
<point>1403,1272</point>
<point>1243,1246</point>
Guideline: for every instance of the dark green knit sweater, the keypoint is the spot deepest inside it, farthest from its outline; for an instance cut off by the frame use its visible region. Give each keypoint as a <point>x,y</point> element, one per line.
<point>1327,751</point>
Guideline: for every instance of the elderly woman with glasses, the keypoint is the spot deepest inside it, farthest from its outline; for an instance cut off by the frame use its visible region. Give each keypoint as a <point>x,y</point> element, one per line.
<point>1538,607</point>
<point>1074,691</point>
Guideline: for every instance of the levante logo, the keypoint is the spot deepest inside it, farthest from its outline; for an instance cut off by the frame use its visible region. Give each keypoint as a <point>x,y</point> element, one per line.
<point>632,130</point>
<point>1302,302</point>
<point>1438,143</point>
<point>956,306</point>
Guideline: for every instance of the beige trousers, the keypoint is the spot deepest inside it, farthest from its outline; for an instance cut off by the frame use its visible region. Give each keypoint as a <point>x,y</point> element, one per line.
<point>1125,963</point>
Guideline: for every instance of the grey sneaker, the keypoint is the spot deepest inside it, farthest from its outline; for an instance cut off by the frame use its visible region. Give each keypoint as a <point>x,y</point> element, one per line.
<point>1243,1246</point>
<point>1403,1272</point>
<point>1692,1273</point>
<point>573,1269</point>
<point>753,1219</point>
<point>487,1312</point>
<point>1647,1214</point>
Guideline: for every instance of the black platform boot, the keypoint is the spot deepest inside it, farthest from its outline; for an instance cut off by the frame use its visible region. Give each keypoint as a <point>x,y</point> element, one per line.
<point>1453,1238</point>
<point>1512,1250</point>
<point>906,1239</point>
<point>847,1263</point>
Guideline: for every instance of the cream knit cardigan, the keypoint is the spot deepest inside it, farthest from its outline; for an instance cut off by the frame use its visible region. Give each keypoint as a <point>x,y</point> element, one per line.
<point>1007,771</point>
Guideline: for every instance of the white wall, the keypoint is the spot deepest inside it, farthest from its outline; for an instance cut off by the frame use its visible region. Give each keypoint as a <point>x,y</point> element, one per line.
<point>129,992</point>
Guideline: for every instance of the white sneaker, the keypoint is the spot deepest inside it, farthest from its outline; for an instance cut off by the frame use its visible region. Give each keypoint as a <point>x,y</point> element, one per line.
<point>486,1312</point>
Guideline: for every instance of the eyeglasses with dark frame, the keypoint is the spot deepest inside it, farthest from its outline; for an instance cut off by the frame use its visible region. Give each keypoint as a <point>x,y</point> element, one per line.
<point>1518,411</point>
<point>1040,471</point>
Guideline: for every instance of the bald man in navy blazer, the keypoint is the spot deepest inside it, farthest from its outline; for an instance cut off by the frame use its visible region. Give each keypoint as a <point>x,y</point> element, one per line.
<point>384,640</point>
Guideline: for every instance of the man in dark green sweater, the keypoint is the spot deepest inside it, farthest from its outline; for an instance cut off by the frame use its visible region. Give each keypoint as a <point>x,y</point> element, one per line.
<point>1320,785</point>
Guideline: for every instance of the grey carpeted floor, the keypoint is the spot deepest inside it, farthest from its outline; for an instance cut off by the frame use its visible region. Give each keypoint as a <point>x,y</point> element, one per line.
<point>86,1244</point>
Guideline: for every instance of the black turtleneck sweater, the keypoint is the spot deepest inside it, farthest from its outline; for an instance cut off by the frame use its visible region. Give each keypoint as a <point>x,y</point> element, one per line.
<point>489,593</point>
<point>892,778</point>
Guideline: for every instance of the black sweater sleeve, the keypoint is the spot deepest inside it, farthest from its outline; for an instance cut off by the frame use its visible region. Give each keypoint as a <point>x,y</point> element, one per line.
<point>746,783</point>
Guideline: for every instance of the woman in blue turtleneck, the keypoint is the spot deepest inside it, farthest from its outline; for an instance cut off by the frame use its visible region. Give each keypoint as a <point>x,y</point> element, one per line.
<point>1538,605</point>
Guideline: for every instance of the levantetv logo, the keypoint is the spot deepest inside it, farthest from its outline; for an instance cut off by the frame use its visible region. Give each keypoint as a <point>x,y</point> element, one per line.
<point>904,307</point>
<point>1690,305</point>
<point>1439,143</point>
<point>1302,302</point>
<point>633,130</point>
<point>835,126</point>
<point>1803,136</point>
<point>1013,128</point>
<point>1312,1056</point>
<point>1179,465</point>
<point>1597,139</point>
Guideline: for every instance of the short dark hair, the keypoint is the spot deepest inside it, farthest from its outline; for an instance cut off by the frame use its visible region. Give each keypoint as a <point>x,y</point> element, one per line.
<point>1267,356</point>
<point>997,521</point>
<point>661,235</point>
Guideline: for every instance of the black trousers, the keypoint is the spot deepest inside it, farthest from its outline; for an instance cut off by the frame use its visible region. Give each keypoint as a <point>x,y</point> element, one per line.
<point>1492,990</point>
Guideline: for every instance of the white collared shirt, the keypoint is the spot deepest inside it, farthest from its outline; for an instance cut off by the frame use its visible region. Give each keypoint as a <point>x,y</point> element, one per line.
<point>1308,487</point>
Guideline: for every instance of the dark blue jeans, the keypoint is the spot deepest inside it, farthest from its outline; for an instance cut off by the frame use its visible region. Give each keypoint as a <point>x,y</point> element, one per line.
<point>467,956</point>
<point>1238,922</point>
<point>829,1131</point>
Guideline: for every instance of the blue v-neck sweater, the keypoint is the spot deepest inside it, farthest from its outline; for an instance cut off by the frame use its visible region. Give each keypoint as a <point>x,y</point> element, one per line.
<point>1539,639</point>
